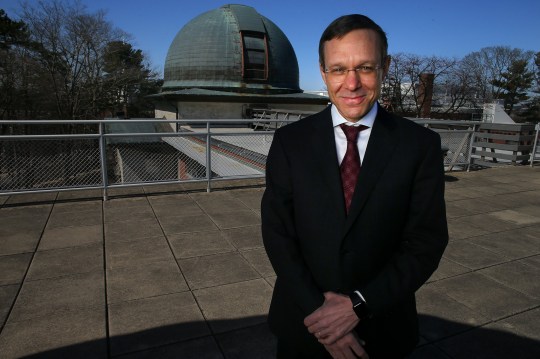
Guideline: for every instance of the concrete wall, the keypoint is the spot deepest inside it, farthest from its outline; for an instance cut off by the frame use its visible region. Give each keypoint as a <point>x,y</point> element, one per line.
<point>210,110</point>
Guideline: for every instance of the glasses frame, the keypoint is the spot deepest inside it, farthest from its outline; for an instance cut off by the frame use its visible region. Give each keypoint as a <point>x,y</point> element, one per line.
<point>339,73</point>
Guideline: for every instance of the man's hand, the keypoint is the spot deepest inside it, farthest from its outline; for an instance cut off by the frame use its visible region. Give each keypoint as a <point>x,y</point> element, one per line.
<point>347,347</point>
<point>332,320</point>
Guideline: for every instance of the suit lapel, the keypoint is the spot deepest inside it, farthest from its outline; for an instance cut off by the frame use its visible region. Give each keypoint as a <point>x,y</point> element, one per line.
<point>381,145</point>
<point>324,149</point>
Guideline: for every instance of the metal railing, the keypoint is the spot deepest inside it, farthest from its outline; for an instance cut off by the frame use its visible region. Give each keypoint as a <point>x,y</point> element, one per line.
<point>535,153</point>
<point>457,137</point>
<point>506,143</point>
<point>47,156</point>
<point>262,115</point>
<point>105,154</point>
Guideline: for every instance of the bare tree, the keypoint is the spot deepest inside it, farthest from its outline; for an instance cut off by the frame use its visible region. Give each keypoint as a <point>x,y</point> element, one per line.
<point>487,66</point>
<point>72,43</point>
<point>455,91</point>
<point>402,88</point>
<point>392,91</point>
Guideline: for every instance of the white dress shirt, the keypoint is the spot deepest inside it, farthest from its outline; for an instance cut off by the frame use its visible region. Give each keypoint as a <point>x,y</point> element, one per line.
<point>363,137</point>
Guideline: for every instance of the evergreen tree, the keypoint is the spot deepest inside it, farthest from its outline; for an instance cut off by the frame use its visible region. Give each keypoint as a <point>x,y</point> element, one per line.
<point>537,72</point>
<point>515,82</point>
<point>23,92</point>
<point>12,32</point>
<point>128,79</point>
<point>532,112</point>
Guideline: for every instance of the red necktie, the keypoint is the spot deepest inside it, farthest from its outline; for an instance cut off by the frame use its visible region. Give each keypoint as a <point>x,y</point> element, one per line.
<point>350,166</point>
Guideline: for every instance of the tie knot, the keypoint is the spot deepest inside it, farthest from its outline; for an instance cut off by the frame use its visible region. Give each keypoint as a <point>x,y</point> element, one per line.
<point>351,132</point>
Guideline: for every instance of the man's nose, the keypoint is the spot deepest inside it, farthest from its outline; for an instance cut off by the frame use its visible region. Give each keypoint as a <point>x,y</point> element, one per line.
<point>352,80</point>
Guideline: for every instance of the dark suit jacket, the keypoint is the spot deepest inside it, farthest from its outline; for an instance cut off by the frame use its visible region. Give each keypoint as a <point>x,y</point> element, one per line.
<point>388,245</point>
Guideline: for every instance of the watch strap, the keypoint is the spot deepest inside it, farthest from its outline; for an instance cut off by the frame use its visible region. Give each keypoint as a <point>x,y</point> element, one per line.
<point>359,305</point>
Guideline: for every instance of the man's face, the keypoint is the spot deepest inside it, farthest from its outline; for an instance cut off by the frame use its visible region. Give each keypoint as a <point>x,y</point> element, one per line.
<point>354,94</point>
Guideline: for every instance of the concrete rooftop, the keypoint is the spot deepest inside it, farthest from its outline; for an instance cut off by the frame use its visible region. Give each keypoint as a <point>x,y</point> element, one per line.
<point>175,272</point>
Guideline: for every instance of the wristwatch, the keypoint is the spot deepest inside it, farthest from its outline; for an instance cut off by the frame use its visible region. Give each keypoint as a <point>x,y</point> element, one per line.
<point>359,305</point>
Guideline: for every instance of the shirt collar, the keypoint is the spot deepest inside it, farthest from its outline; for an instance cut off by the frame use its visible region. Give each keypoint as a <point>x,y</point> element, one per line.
<point>367,120</point>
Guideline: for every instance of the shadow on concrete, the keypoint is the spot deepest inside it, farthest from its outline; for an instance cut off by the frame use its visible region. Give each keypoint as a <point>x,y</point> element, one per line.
<point>448,178</point>
<point>193,340</point>
<point>440,339</point>
<point>448,339</point>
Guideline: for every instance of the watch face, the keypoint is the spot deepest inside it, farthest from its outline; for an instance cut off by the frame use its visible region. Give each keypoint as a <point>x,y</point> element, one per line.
<point>356,300</point>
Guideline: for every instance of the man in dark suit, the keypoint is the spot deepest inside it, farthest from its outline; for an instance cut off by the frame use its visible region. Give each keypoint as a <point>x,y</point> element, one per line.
<point>353,226</point>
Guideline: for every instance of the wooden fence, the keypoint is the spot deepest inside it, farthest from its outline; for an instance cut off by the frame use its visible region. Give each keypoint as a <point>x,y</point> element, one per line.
<point>503,143</point>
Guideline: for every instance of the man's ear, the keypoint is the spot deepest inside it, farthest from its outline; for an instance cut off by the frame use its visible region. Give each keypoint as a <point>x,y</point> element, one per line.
<point>323,74</point>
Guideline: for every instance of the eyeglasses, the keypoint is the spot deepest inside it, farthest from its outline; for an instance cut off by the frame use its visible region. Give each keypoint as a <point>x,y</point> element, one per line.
<point>339,73</point>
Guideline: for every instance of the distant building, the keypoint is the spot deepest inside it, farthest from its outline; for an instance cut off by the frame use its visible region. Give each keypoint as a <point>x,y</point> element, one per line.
<point>494,113</point>
<point>227,62</point>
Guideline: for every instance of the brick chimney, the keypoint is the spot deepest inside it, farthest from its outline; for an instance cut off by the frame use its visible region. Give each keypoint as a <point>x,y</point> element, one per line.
<point>425,94</point>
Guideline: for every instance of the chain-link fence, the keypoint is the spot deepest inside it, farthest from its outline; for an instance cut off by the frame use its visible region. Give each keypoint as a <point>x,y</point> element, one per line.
<point>457,139</point>
<point>48,163</point>
<point>114,153</point>
<point>458,145</point>
<point>128,152</point>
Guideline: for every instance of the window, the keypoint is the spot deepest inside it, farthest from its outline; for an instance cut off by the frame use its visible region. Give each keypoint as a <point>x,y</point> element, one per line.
<point>255,56</point>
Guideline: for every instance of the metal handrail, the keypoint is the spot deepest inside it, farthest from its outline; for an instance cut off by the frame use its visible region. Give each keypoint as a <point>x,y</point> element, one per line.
<point>535,145</point>
<point>102,136</point>
<point>460,154</point>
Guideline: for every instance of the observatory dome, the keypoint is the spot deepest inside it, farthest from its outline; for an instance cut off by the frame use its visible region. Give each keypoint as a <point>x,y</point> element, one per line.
<point>232,48</point>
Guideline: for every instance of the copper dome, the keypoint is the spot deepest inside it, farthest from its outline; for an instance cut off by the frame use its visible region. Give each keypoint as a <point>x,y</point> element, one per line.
<point>232,48</point>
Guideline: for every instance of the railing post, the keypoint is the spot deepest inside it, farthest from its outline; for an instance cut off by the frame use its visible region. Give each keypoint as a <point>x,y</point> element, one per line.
<point>535,144</point>
<point>103,161</point>
<point>473,133</point>
<point>208,158</point>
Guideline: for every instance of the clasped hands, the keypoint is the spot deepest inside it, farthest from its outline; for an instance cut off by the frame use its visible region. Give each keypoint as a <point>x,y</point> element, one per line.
<point>333,323</point>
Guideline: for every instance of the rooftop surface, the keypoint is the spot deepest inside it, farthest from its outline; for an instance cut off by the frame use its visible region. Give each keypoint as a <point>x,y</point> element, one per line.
<point>175,272</point>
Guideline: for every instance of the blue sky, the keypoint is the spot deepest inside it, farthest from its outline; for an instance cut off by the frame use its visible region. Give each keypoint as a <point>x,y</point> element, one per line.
<point>423,27</point>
